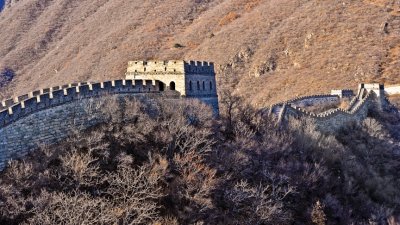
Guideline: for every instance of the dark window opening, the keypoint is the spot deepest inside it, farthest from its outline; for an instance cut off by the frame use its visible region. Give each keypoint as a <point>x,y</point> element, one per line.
<point>161,86</point>
<point>172,86</point>
<point>165,68</point>
<point>198,85</point>
<point>211,86</point>
<point>190,86</point>
<point>145,69</point>
<point>204,85</point>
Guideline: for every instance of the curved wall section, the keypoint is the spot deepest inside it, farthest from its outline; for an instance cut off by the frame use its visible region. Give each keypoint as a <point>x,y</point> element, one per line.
<point>332,120</point>
<point>49,117</point>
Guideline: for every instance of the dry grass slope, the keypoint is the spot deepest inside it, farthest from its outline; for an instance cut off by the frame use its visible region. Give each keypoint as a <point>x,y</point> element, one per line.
<point>296,47</point>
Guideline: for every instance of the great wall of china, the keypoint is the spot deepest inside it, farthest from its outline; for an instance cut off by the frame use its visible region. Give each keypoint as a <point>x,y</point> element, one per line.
<point>368,97</point>
<point>49,115</point>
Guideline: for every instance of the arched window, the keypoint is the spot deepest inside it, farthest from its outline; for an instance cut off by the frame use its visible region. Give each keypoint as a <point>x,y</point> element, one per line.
<point>190,86</point>
<point>198,85</point>
<point>211,86</point>
<point>145,69</point>
<point>204,86</point>
<point>161,86</point>
<point>172,86</point>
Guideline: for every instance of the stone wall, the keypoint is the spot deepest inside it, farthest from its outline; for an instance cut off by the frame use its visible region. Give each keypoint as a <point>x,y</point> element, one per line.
<point>49,115</point>
<point>331,120</point>
<point>306,101</point>
<point>200,85</point>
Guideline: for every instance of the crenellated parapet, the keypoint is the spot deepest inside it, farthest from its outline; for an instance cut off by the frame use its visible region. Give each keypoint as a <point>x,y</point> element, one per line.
<point>155,67</point>
<point>170,67</point>
<point>199,67</point>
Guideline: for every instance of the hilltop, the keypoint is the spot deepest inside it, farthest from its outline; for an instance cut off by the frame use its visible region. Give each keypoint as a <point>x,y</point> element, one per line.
<point>269,50</point>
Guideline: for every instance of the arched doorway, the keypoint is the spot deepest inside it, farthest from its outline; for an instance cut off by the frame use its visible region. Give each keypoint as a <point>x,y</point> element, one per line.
<point>161,86</point>
<point>172,86</point>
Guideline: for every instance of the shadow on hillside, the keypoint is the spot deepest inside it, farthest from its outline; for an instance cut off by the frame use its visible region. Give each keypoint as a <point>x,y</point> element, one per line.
<point>6,76</point>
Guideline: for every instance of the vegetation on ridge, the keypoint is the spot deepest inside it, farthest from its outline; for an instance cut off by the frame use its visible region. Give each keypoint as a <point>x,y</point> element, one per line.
<point>174,163</point>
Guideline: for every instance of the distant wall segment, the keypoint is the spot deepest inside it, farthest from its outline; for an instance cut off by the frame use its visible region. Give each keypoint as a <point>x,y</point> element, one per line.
<point>369,96</point>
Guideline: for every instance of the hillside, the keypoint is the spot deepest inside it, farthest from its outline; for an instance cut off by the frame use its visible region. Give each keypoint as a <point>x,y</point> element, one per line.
<point>273,49</point>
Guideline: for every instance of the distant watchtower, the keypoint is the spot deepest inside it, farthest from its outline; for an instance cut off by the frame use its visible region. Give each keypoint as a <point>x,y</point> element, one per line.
<point>192,79</point>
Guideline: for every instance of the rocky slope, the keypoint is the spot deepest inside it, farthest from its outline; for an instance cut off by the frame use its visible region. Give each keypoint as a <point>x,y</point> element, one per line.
<point>272,49</point>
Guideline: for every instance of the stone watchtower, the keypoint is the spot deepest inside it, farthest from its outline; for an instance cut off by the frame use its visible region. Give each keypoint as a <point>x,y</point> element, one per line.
<point>192,79</point>
<point>378,90</point>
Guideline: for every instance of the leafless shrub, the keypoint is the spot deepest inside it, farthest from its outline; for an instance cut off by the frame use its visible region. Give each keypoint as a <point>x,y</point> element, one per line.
<point>106,109</point>
<point>197,179</point>
<point>381,216</point>
<point>19,171</point>
<point>82,168</point>
<point>318,216</point>
<point>134,194</point>
<point>260,204</point>
<point>11,202</point>
<point>375,128</point>
<point>169,220</point>
<point>186,126</point>
<point>76,208</point>
<point>132,199</point>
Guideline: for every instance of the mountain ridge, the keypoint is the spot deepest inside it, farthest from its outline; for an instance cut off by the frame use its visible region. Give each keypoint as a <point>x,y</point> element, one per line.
<point>270,50</point>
